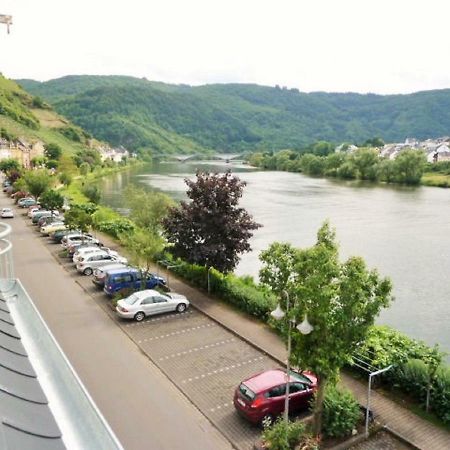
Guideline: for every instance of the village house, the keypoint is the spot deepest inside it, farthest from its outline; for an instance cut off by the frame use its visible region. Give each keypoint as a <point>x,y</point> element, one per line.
<point>21,150</point>
<point>114,154</point>
<point>436,150</point>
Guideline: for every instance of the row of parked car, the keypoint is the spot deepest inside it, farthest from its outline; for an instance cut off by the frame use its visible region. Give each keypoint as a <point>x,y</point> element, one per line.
<point>111,271</point>
<point>259,398</point>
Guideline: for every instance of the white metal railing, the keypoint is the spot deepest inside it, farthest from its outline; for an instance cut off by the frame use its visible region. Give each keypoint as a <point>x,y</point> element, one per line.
<point>6,261</point>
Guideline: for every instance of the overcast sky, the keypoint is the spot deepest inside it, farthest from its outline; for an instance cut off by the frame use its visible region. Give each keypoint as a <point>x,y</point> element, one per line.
<point>380,46</point>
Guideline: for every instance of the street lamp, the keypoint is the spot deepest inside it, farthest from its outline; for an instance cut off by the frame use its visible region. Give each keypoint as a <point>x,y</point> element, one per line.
<point>305,328</point>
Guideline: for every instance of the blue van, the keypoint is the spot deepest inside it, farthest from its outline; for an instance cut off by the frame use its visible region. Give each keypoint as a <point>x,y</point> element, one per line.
<point>129,278</point>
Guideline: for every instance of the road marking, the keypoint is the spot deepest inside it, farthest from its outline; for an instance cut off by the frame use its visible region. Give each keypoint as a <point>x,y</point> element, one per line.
<point>174,333</point>
<point>186,352</point>
<point>219,407</point>
<point>225,369</point>
<point>156,319</point>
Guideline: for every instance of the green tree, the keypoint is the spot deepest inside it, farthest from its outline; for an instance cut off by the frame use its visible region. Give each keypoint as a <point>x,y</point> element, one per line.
<point>85,168</point>
<point>211,230</point>
<point>39,161</point>
<point>365,160</point>
<point>53,151</point>
<point>8,164</point>
<point>409,166</point>
<point>65,178</point>
<point>93,193</point>
<point>79,218</point>
<point>38,181</point>
<point>340,300</point>
<point>52,200</point>
<point>143,246</point>
<point>147,209</point>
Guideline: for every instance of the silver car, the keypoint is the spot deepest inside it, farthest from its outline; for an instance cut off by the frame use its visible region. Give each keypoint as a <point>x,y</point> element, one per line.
<point>88,263</point>
<point>148,302</point>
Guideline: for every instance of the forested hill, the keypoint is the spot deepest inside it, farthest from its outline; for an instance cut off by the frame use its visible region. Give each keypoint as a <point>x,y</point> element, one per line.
<point>227,117</point>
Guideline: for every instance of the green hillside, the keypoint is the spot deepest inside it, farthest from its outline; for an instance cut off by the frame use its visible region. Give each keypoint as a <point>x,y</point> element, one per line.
<point>138,113</point>
<point>25,116</point>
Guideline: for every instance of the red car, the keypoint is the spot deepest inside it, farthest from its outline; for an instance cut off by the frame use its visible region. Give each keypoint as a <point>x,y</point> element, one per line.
<point>262,396</point>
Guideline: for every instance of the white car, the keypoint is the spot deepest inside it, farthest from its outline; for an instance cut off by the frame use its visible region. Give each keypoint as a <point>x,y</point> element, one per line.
<point>89,263</point>
<point>54,226</point>
<point>7,213</point>
<point>70,239</point>
<point>148,302</point>
<point>32,210</point>
<point>85,251</point>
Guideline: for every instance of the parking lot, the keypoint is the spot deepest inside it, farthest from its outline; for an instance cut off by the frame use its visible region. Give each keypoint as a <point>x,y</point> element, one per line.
<point>202,358</point>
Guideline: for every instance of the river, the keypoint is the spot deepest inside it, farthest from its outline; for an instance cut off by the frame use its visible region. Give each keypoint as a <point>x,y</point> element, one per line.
<point>403,232</point>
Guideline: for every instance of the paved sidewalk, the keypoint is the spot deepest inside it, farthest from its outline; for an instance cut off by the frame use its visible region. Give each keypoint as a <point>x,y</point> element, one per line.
<point>421,433</point>
<point>417,431</point>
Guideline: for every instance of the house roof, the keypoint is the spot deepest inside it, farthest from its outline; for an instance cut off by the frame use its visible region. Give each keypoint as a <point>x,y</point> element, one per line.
<point>26,419</point>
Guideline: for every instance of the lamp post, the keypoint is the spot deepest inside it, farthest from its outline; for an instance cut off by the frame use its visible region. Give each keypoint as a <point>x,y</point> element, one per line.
<point>305,328</point>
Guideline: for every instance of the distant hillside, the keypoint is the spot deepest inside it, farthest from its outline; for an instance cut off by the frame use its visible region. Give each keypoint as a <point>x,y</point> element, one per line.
<point>25,116</point>
<point>138,113</point>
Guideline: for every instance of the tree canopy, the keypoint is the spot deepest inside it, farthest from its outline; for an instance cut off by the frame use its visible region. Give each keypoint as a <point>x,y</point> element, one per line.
<point>211,230</point>
<point>38,181</point>
<point>340,299</point>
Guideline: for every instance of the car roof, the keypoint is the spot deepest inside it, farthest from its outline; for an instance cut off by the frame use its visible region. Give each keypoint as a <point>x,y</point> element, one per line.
<point>266,380</point>
<point>125,269</point>
<point>146,292</point>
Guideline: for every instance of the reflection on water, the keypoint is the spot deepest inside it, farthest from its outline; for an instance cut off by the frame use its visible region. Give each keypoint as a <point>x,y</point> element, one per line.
<point>403,232</point>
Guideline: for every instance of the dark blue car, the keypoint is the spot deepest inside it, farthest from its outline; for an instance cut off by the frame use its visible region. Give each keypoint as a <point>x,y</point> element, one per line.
<point>129,278</point>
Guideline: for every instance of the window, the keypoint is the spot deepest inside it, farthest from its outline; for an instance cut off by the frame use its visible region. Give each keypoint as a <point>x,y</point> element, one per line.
<point>276,391</point>
<point>296,387</point>
<point>159,299</point>
<point>246,392</point>
<point>147,301</point>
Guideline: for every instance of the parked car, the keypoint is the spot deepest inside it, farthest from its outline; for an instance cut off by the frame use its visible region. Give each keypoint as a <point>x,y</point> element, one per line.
<point>88,263</point>
<point>7,213</point>
<point>78,245</point>
<point>70,239</point>
<point>100,273</point>
<point>130,278</point>
<point>32,209</point>
<point>51,227</point>
<point>47,220</point>
<point>26,202</point>
<point>58,235</point>
<point>148,302</point>
<point>262,397</point>
<point>90,250</point>
<point>42,213</point>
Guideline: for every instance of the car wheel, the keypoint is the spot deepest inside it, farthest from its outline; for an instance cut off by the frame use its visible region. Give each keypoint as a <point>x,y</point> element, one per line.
<point>267,421</point>
<point>87,271</point>
<point>181,307</point>
<point>139,317</point>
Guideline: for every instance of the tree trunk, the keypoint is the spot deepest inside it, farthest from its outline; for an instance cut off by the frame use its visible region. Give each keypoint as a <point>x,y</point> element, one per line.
<point>318,407</point>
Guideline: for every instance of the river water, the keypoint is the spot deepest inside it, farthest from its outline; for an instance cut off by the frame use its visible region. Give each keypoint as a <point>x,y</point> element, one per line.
<point>401,231</point>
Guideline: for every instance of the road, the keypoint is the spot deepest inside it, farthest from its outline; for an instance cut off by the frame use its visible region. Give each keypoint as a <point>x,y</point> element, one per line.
<point>142,406</point>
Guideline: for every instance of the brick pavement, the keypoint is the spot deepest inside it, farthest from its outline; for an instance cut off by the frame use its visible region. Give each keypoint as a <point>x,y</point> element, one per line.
<point>411,427</point>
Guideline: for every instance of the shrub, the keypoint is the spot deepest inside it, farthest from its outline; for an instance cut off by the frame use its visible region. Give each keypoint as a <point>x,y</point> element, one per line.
<point>274,436</point>
<point>413,378</point>
<point>115,227</point>
<point>413,363</point>
<point>341,412</point>
<point>440,394</point>
<point>241,292</point>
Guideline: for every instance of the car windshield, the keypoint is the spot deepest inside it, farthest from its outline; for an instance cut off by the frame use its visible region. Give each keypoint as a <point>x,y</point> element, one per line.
<point>246,392</point>
<point>300,377</point>
<point>131,300</point>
